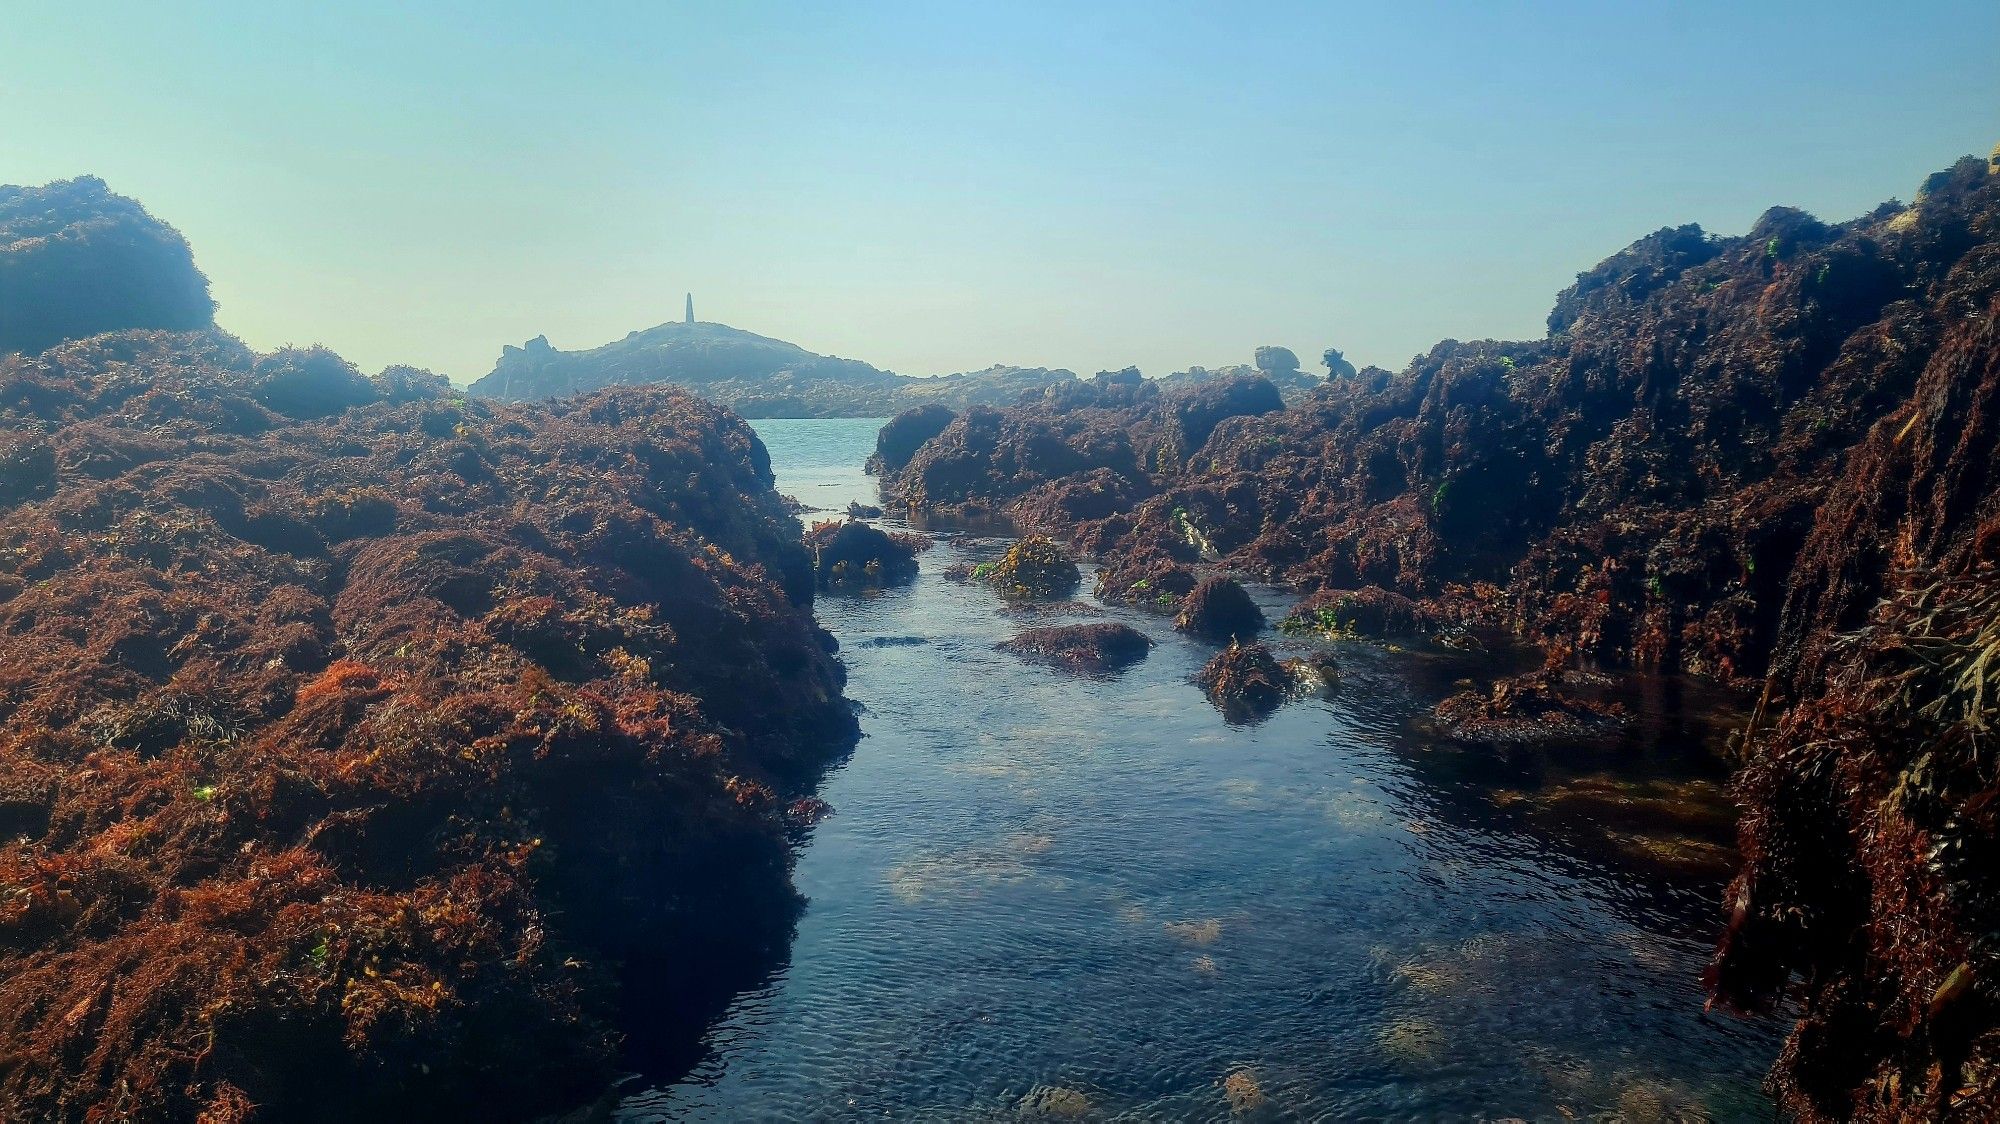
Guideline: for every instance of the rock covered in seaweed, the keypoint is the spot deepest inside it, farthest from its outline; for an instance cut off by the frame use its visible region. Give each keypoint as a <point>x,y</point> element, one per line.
<point>1871,883</point>
<point>901,437</point>
<point>1096,648</point>
<point>988,458</point>
<point>849,556</point>
<point>424,735</point>
<point>1033,569</point>
<point>1637,488</point>
<point>1245,679</point>
<point>1218,610</point>
<point>1370,611</point>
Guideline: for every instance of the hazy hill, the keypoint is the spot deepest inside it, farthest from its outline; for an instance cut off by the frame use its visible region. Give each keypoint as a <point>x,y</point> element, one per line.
<point>756,375</point>
<point>76,260</point>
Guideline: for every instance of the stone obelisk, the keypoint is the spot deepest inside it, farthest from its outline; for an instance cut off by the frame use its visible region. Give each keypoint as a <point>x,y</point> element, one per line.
<point>690,308</point>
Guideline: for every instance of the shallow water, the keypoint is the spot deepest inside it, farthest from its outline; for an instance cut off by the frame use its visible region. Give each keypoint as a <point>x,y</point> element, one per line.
<point>1041,894</point>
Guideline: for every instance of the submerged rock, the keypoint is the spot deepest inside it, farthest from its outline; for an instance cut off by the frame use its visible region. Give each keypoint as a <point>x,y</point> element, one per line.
<point>851,556</point>
<point>1536,707</point>
<point>1243,1091</point>
<point>1315,671</point>
<point>1218,610</point>
<point>901,437</point>
<point>1098,648</point>
<point>1056,1102</point>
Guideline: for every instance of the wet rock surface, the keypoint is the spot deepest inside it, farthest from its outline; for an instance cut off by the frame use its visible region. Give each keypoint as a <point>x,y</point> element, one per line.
<point>1096,648</point>
<point>1537,707</point>
<point>1371,612</point>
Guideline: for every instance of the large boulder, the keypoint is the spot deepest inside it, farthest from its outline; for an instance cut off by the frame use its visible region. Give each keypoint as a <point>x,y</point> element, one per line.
<point>1277,362</point>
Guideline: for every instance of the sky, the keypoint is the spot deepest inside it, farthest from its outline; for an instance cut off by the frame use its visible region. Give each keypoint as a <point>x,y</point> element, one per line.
<point>942,186</point>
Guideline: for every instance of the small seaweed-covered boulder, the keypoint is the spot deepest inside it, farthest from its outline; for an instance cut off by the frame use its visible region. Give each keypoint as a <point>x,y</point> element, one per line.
<point>1245,679</point>
<point>1536,707</point>
<point>851,556</point>
<point>1098,648</point>
<point>1369,611</point>
<point>1219,611</point>
<point>1034,569</point>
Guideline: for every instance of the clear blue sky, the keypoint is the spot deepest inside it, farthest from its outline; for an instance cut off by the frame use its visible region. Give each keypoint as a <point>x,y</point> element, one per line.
<point>942,186</point>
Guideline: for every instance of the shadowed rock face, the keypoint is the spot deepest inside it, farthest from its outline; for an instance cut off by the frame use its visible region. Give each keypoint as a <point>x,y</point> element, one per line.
<point>1219,611</point>
<point>76,260</point>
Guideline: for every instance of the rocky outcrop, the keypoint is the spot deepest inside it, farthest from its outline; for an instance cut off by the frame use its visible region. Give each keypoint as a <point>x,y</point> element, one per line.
<point>1370,611</point>
<point>1277,365</point>
<point>1636,488</point>
<point>1098,648</point>
<point>1871,843</point>
<point>1538,707</point>
<point>366,750</point>
<point>76,260</point>
<point>1119,430</point>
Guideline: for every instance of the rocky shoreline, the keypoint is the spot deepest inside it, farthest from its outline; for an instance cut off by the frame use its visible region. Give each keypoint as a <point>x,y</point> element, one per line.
<point>1770,460</point>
